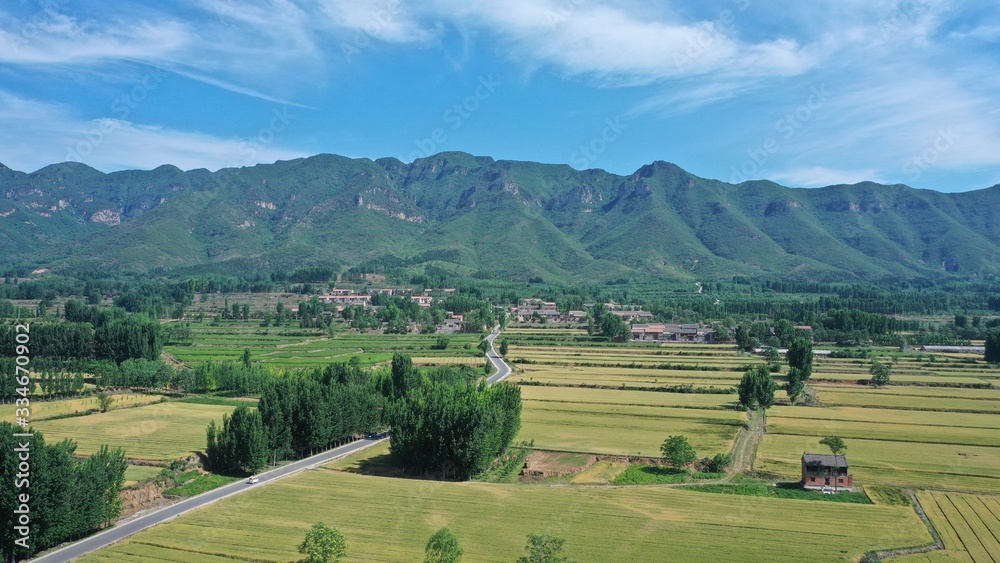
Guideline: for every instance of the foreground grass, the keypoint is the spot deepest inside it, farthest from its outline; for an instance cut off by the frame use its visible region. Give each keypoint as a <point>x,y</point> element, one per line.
<point>387,519</point>
<point>793,491</point>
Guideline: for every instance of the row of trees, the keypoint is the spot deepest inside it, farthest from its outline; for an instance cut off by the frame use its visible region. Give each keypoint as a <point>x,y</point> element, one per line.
<point>117,340</point>
<point>324,544</point>
<point>298,414</point>
<point>68,497</point>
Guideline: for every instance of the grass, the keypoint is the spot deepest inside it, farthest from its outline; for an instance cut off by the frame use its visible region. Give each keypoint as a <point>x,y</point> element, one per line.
<point>135,474</point>
<point>884,494</point>
<point>601,473</point>
<point>651,474</point>
<point>199,483</point>
<point>161,431</point>
<point>41,410</point>
<point>220,401</point>
<point>390,520</point>
<point>791,491</point>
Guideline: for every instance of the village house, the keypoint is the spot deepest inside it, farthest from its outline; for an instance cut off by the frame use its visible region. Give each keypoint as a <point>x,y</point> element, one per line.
<point>634,315</point>
<point>661,332</point>
<point>348,298</point>
<point>422,300</point>
<point>826,472</point>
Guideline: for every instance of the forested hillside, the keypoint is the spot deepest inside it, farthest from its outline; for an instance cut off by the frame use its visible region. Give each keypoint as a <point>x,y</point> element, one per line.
<point>475,216</point>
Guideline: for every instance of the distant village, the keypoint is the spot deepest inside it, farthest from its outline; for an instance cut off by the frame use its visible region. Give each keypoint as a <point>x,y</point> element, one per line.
<point>529,311</point>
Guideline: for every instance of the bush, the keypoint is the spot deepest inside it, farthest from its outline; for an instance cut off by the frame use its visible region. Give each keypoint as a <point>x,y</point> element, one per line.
<point>715,464</point>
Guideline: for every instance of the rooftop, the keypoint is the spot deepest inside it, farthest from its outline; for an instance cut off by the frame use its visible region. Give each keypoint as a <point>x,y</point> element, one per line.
<point>824,460</point>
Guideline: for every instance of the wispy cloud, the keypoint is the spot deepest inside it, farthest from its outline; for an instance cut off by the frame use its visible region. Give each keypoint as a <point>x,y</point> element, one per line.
<point>58,135</point>
<point>816,176</point>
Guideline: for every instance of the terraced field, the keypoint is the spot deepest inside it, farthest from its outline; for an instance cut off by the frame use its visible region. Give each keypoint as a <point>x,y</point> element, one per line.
<point>390,520</point>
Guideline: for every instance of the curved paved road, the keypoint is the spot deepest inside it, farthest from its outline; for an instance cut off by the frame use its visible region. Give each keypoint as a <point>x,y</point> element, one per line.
<point>120,532</point>
<point>503,370</point>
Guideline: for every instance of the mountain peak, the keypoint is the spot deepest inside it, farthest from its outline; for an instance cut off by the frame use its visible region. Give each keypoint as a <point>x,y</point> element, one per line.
<point>68,168</point>
<point>658,167</point>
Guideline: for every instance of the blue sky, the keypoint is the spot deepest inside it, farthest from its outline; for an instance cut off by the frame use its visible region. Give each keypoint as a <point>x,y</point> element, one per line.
<point>805,94</point>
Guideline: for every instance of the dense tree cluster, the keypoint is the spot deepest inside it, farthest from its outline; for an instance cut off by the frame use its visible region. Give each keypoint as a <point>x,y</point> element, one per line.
<point>446,423</point>
<point>69,497</point>
<point>309,411</point>
<point>240,445</point>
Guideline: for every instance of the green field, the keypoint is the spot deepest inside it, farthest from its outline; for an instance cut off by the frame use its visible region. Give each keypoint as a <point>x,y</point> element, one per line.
<point>159,432</point>
<point>294,347</point>
<point>387,519</point>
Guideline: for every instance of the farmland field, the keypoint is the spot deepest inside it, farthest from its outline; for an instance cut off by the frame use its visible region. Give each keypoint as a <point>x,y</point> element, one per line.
<point>491,520</point>
<point>47,409</point>
<point>969,526</point>
<point>908,464</point>
<point>616,377</point>
<point>625,422</point>
<point>294,347</point>
<point>159,432</point>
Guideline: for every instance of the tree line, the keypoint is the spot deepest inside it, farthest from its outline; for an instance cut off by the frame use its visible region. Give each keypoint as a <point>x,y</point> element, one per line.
<point>68,497</point>
<point>442,419</point>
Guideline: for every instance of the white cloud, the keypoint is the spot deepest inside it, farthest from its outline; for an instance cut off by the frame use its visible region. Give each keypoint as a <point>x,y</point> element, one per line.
<point>55,38</point>
<point>817,176</point>
<point>619,46</point>
<point>113,144</point>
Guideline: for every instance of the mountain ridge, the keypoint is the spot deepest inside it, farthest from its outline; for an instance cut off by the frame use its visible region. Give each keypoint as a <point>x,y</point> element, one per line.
<point>475,215</point>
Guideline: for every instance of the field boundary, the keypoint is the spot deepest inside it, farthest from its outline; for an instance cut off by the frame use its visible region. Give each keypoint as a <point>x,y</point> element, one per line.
<point>937,545</point>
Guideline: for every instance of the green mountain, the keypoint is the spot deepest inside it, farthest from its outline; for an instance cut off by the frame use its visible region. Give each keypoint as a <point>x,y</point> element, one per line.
<point>498,218</point>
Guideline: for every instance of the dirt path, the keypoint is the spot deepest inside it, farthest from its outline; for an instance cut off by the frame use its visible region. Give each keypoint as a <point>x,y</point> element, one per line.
<point>745,446</point>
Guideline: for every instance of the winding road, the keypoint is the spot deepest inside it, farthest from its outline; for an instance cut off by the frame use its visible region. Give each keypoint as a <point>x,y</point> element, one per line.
<point>135,525</point>
<point>503,370</point>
